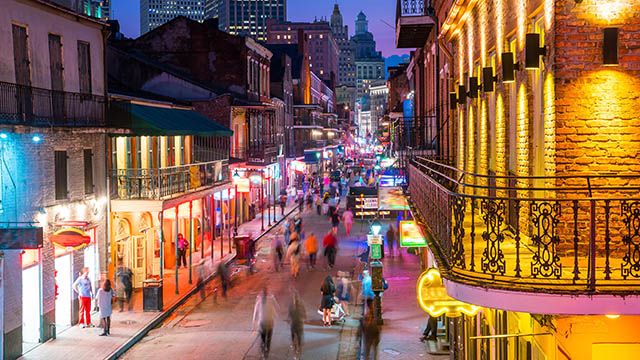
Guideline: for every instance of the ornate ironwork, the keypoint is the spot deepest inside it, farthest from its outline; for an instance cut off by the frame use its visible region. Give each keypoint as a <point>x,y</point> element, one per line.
<point>545,218</point>
<point>576,271</point>
<point>457,251</point>
<point>630,212</point>
<point>412,7</point>
<point>493,216</point>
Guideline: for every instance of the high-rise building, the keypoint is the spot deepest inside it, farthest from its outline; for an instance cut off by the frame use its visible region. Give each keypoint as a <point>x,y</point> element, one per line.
<point>154,13</point>
<point>246,17</point>
<point>346,59</point>
<point>323,48</point>
<point>100,9</point>
<point>369,62</point>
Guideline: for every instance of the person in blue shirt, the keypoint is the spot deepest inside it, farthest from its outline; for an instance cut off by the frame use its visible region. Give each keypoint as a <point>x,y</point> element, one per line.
<point>82,286</point>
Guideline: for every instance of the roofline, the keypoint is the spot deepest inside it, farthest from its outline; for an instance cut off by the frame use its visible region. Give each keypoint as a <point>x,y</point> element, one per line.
<point>148,102</point>
<point>70,12</point>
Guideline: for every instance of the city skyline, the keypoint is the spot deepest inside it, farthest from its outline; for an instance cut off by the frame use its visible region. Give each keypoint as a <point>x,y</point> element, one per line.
<point>381,15</point>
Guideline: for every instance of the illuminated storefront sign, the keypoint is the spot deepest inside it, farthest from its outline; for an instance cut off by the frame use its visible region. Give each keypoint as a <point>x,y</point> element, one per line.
<point>391,181</point>
<point>410,235</point>
<point>434,299</point>
<point>392,199</point>
<point>374,239</point>
<point>298,166</point>
<point>70,237</point>
<point>243,185</point>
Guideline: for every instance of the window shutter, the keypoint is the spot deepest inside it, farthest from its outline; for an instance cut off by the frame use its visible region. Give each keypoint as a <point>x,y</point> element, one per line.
<point>88,171</point>
<point>61,174</point>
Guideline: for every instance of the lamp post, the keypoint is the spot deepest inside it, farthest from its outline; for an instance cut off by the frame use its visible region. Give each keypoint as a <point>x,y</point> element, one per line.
<point>268,198</point>
<point>377,283</point>
<point>236,177</point>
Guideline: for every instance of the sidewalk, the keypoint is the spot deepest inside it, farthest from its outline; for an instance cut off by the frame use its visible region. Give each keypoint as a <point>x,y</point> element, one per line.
<point>77,343</point>
<point>404,320</point>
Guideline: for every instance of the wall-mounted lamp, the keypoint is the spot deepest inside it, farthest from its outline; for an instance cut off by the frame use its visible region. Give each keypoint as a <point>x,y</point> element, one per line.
<point>533,51</point>
<point>488,79</point>
<point>509,67</point>
<point>473,87</point>
<point>453,100</point>
<point>462,95</point>
<point>610,46</point>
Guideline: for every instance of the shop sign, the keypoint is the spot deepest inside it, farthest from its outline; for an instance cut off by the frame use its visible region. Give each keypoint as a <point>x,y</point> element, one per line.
<point>374,239</point>
<point>376,251</point>
<point>70,238</point>
<point>434,299</point>
<point>21,238</point>
<point>242,184</point>
<point>410,235</point>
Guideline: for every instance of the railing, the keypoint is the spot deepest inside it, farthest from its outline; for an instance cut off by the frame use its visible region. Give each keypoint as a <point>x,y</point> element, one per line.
<point>31,106</point>
<point>419,133</point>
<point>169,181</point>
<point>409,8</point>
<point>239,152</point>
<point>265,153</point>
<point>558,234</point>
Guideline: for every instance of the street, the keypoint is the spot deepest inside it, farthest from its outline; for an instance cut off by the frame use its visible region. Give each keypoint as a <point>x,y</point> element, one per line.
<point>222,330</point>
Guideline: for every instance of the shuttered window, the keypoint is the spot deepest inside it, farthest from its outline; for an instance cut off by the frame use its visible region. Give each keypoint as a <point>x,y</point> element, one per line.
<point>84,67</point>
<point>88,171</point>
<point>61,174</point>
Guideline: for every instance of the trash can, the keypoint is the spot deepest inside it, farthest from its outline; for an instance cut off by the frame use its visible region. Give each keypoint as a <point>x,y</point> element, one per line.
<point>152,295</point>
<point>242,246</point>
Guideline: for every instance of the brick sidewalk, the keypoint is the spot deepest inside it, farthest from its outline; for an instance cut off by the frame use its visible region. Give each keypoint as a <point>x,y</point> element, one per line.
<point>77,343</point>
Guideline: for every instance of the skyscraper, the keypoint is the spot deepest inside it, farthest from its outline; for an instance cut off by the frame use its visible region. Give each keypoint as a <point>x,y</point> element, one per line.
<point>369,61</point>
<point>154,13</point>
<point>346,61</point>
<point>246,17</point>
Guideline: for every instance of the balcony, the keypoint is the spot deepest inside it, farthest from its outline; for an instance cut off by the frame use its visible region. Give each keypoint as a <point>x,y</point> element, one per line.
<point>263,154</point>
<point>30,106</point>
<point>412,24</point>
<point>164,183</point>
<point>564,244</point>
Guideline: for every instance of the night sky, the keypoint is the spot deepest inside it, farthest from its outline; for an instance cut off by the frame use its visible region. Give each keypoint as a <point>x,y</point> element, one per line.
<point>377,11</point>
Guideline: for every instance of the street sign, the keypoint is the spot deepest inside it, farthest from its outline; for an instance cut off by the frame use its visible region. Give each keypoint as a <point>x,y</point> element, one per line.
<point>376,251</point>
<point>374,239</point>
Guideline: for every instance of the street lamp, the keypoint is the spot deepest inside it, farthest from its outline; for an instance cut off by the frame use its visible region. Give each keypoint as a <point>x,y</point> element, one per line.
<point>376,226</point>
<point>268,178</point>
<point>236,177</point>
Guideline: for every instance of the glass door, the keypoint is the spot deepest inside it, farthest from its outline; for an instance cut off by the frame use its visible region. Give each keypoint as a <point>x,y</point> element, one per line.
<point>138,259</point>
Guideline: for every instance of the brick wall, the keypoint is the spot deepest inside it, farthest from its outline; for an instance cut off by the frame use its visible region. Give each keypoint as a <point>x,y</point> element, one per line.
<point>31,167</point>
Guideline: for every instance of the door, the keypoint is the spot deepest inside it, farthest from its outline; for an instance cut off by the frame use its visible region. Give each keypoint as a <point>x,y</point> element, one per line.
<point>64,281</point>
<point>57,83</point>
<point>31,305</point>
<point>138,263</point>
<point>22,66</point>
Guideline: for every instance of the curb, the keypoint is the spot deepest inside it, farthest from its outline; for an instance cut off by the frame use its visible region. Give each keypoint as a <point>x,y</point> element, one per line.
<point>122,349</point>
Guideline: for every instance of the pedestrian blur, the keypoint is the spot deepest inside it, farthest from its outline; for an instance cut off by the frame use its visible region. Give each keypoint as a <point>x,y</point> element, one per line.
<point>330,244</point>
<point>297,316</point>
<point>264,314</point>
<point>328,290</point>
<point>311,247</point>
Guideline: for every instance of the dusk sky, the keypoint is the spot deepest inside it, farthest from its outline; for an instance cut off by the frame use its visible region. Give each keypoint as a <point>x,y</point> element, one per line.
<point>378,12</point>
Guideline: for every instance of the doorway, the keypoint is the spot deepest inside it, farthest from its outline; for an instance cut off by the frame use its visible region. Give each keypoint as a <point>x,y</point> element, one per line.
<point>138,259</point>
<point>31,306</point>
<point>64,281</point>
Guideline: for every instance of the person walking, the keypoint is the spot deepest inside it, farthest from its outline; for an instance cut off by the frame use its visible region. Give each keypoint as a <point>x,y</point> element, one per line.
<point>327,290</point>
<point>330,243</point>
<point>367,290</point>
<point>277,248</point>
<point>293,254</point>
<point>335,220</point>
<point>311,246</point>
<point>391,239</point>
<point>124,285</point>
<point>347,219</point>
<point>104,298</point>
<point>370,334</point>
<point>318,204</point>
<point>431,331</point>
<point>283,203</point>
<point>343,291</point>
<point>183,244</point>
<point>264,313</point>
<point>82,286</point>
<point>225,280</point>
<point>297,316</point>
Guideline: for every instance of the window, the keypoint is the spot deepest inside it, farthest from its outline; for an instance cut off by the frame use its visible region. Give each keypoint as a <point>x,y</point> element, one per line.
<point>88,171</point>
<point>61,175</point>
<point>84,67</point>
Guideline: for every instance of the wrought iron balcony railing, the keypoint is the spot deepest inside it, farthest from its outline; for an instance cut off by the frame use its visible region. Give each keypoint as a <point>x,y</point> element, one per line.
<point>162,183</point>
<point>262,154</point>
<point>561,234</point>
<point>31,106</point>
<point>412,23</point>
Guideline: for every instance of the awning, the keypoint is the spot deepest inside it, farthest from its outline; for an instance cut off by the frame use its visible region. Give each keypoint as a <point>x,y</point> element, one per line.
<point>164,121</point>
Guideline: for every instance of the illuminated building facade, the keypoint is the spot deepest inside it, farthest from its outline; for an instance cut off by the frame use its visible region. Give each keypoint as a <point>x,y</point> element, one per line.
<point>246,17</point>
<point>154,13</point>
<point>523,100</point>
